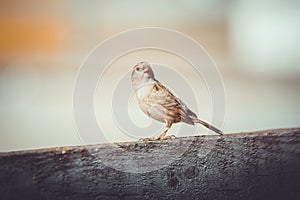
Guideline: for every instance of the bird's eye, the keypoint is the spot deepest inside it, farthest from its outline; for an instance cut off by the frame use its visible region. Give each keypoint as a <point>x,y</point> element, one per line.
<point>138,68</point>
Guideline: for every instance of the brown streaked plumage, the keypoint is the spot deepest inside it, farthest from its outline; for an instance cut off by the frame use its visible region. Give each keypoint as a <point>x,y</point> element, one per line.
<point>156,101</point>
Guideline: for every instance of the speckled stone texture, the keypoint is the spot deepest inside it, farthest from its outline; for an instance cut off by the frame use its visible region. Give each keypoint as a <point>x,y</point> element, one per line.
<point>257,165</point>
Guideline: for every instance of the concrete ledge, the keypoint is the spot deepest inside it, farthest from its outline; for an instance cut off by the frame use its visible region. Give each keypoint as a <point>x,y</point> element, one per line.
<point>256,165</point>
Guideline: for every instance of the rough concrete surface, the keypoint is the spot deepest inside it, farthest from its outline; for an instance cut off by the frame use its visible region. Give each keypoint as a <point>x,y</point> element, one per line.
<point>257,165</point>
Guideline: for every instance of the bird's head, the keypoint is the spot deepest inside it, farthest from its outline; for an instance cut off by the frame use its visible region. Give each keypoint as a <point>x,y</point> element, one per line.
<point>142,73</point>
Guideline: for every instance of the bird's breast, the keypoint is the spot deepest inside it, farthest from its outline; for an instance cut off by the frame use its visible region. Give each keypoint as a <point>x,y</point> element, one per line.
<point>144,91</point>
<point>148,104</point>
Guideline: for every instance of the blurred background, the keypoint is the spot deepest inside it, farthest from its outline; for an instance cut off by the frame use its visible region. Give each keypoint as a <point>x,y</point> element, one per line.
<point>255,45</point>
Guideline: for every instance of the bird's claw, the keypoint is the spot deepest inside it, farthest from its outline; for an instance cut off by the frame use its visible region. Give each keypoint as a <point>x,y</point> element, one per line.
<point>147,139</point>
<point>170,137</point>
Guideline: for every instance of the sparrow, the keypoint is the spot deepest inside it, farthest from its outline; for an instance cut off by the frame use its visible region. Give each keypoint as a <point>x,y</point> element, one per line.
<point>159,103</point>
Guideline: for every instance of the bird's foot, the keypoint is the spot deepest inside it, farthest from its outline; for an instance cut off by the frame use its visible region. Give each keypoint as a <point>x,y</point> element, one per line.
<point>170,137</point>
<point>148,139</point>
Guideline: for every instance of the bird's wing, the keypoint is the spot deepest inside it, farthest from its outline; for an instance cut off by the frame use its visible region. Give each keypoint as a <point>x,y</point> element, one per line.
<point>177,110</point>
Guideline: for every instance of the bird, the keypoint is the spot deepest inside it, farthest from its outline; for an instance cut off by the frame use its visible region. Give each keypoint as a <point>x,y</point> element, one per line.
<point>159,103</point>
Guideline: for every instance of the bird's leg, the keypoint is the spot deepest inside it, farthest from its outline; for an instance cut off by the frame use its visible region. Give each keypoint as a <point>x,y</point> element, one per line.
<point>162,135</point>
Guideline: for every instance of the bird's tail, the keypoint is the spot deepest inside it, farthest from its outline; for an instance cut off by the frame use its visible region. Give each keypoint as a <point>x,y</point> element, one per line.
<point>207,125</point>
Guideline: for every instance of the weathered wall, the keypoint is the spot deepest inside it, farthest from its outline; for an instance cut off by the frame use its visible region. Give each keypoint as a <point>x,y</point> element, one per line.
<point>260,165</point>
